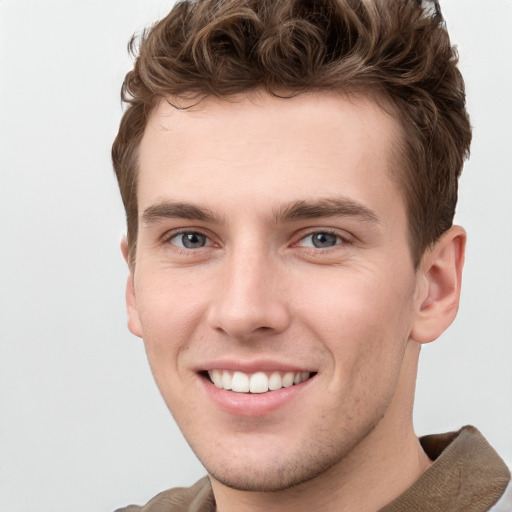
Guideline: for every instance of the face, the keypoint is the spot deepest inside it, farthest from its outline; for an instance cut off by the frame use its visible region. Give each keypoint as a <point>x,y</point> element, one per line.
<point>273,282</point>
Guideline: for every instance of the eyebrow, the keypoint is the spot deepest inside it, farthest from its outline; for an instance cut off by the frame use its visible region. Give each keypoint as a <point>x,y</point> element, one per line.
<point>295,210</point>
<point>329,207</point>
<point>171,210</point>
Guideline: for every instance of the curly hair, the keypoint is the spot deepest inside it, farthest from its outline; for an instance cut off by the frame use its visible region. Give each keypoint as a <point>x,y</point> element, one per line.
<point>396,51</point>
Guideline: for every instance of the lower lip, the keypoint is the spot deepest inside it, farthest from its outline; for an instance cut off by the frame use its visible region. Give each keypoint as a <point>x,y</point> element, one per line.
<point>253,404</point>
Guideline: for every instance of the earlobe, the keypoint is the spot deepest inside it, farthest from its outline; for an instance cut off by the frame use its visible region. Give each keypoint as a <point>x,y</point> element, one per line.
<point>441,272</point>
<point>131,302</point>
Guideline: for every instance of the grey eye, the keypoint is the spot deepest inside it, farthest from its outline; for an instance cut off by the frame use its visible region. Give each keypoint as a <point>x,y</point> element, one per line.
<point>189,240</point>
<point>322,240</point>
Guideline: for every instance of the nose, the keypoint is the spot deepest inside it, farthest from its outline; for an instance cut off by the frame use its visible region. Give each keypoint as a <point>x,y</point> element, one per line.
<point>251,298</point>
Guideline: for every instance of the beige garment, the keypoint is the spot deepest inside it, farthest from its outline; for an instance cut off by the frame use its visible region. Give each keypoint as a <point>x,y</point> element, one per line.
<point>467,476</point>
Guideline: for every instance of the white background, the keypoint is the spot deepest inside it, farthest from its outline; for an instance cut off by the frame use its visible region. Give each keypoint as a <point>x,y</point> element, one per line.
<point>82,426</point>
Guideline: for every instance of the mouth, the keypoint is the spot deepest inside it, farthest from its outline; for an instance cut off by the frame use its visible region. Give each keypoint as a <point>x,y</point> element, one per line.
<point>258,382</point>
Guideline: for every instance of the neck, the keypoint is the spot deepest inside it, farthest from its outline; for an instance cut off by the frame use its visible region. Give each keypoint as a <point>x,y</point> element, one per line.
<point>377,470</point>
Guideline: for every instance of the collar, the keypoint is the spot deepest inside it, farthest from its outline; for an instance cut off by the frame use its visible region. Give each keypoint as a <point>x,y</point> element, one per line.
<point>467,475</point>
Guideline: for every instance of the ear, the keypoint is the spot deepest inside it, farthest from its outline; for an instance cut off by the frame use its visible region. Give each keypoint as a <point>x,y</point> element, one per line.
<point>131,302</point>
<point>439,282</point>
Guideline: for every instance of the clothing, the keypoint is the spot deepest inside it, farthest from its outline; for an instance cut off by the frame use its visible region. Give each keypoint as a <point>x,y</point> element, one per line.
<point>467,475</point>
<point>505,502</point>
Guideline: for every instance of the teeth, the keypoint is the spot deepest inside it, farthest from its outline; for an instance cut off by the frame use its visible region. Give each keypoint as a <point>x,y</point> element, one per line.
<point>275,382</point>
<point>216,377</point>
<point>226,380</point>
<point>259,382</point>
<point>240,382</point>
<point>288,380</point>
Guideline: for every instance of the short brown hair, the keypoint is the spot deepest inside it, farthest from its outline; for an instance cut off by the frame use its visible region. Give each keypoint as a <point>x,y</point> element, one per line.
<point>395,50</point>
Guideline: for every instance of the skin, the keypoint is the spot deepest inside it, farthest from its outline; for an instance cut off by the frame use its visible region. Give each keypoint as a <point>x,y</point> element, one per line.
<point>353,311</point>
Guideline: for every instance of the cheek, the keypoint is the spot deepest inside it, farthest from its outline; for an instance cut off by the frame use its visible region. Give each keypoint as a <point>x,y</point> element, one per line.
<point>169,312</point>
<point>364,320</point>
<point>362,301</point>
<point>167,319</point>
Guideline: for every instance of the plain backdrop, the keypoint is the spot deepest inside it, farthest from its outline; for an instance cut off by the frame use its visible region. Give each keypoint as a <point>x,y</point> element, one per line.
<point>82,426</point>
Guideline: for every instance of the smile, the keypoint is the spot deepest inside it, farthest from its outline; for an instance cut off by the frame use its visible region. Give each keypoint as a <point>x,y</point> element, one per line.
<point>258,382</point>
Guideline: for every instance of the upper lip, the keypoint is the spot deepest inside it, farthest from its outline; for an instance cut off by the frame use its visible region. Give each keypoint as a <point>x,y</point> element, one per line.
<point>253,366</point>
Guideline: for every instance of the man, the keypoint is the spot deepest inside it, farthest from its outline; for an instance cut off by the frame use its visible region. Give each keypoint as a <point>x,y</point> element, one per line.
<point>289,173</point>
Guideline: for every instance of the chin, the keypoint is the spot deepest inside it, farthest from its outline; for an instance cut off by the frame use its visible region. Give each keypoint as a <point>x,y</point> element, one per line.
<point>275,478</point>
<point>279,467</point>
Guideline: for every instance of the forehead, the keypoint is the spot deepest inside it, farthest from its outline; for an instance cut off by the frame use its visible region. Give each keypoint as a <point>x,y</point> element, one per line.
<point>261,146</point>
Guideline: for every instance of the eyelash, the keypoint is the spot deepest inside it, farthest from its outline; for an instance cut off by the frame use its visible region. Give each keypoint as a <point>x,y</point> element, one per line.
<point>341,240</point>
<point>166,239</point>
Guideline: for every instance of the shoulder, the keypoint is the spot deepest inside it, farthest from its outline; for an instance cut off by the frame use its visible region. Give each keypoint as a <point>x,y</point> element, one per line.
<point>505,502</point>
<point>197,498</point>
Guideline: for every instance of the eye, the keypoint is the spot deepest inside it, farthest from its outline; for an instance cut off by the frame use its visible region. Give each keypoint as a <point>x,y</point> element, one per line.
<point>190,240</point>
<point>320,240</point>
